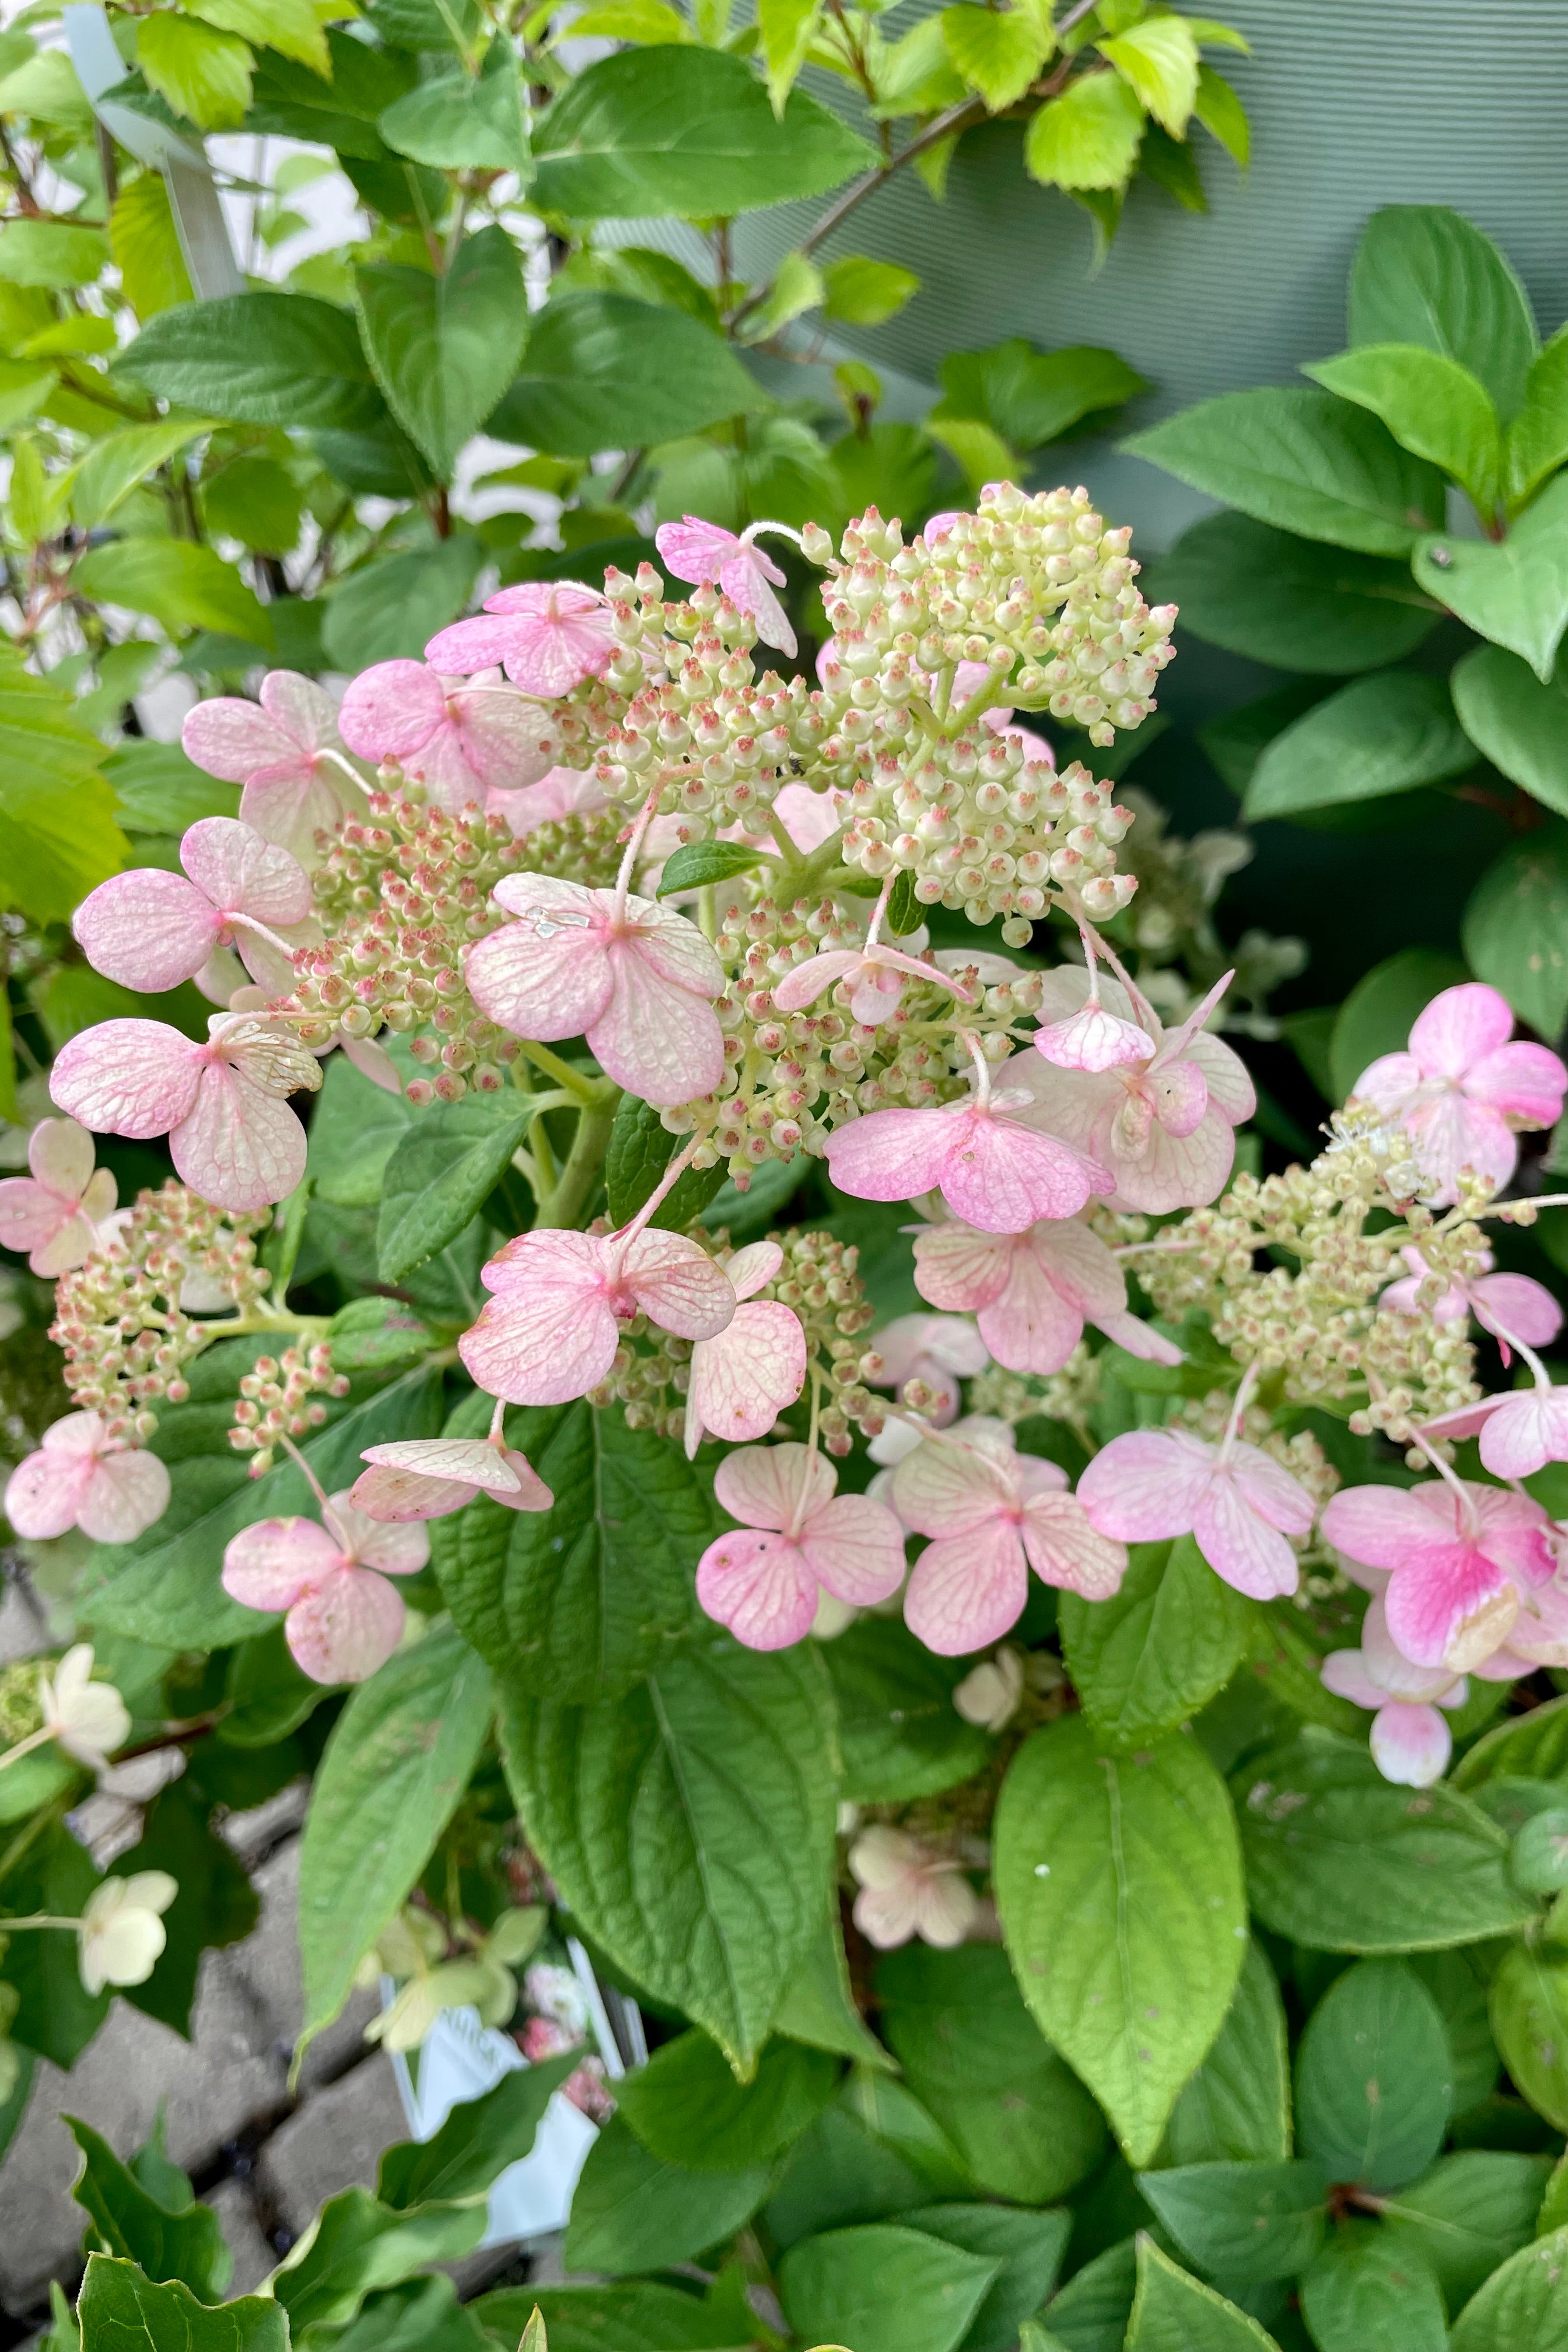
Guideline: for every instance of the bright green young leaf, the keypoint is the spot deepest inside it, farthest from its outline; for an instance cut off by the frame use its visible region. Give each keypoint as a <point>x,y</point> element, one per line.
<point>1174,2313</point>
<point>146,247</point>
<point>290,27</point>
<point>391,608</point>
<point>1368,2293</point>
<point>58,835</point>
<point>112,467</point>
<point>1514,590</point>
<point>884,2288</point>
<point>1530,2023</point>
<point>256,500</point>
<point>1236,2108</point>
<point>423,2314</point>
<point>1519,722</point>
<point>1159,58</point>
<point>1523,2306</point>
<point>1378,1015</point>
<point>818,2007</point>
<point>617,2318</point>
<point>438,1176</point>
<point>356,2244</point>
<point>1387,733</point>
<point>1304,462</point>
<point>1223,115</point>
<point>1341,1861</point>
<point>1473,2210</point>
<point>1029,2247</point>
<point>1297,604</point>
<point>1150,1657</point>
<point>607,371</point>
<point>689,131</point>
<point>1087,137</point>
<point>1029,397</point>
<point>203,73</point>
<point>1092,2312</point>
<point>1515,928</point>
<point>479,2140</point>
<point>1246,2223</point>
<point>574,1603</point>
<point>999,54</point>
<point>261,359</point>
<point>50,253</point>
<point>1432,405</point>
<point>630,2212</point>
<point>459,122</point>
<point>980,453</point>
<point>121,2308</point>
<point>687,2108</point>
<point>866,293</point>
<point>648,22</point>
<point>1527,1747</point>
<point>176,582</point>
<point>698,862</point>
<point>1373,2080</point>
<point>1425,275</point>
<point>1538,437</point>
<point>689,1824</point>
<point>1119,1882</point>
<point>187,2246</point>
<point>398,1760</point>
<point>444,348</point>
<point>900,1735</point>
<point>798,286</point>
<point>788,28</point>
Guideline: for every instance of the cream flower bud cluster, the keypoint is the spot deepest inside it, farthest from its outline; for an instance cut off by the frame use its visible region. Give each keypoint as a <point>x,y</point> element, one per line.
<point>119,1318</point>
<point>1069,1395</point>
<point>278,1397</point>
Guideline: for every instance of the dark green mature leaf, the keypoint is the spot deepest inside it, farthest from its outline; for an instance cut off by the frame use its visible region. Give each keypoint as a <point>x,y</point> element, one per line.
<point>842,2171</point>
<point>884,2288</point>
<point>1377,1016</point>
<point>631,2212</point>
<point>1513,591</point>
<point>1523,2306</point>
<point>1294,602</point>
<point>58,838</point>
<point>391,607</point>
<point>1030,396</point>
<point>1366,2293</point>
<point>1527,1747</point>
<point>574,1603</point>
<point>1237,2106</point>
<point>266,1694</point>
<point>356,2244</point>
<point>1029,2247</point>
<point>455,122</point>
<point>216,1906</point>
<point>399,1758</point>
<point>356,1126</point>
<point>177,582</point>
<point>1173,2313</point>
<point>818,2006</point>
<point>121,2310</point>
<point>440,1175</point>
<point>444,348</point>
<point>1377,736</point>
<point>479,2140</point>
<point>187,2246</point>
<point>1433,406</point>
<point>1344,1862</point>
<point>687,2108</point>
<point>1530,2023</point>
<point>1538,437</point>
<point>901,1734</point>
<point>1305,462</point>
<point>1246,2223</point>
<point>1159,1649</point>
<point>1092,2312</point>
<point>689,1824</point>
<point>1425,275</point>
<point>641,1152</point>
<point>56,2015</point>
<point>423,2314</point>
<point>1373,2079</point>
<point>1515,928</point>
<point>292,102</point>
<point>1472,2210</point>
<point>702,862</point>
<point>261,359</point>
<point>684,130</point>
<point>629,2318</point>
<point>603,371</point>
<point>1520,723</point>
<point>1119,1882</point>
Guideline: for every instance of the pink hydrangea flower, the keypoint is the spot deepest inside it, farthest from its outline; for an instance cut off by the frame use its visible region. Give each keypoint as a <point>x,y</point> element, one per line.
<point>937,1349</point>
<point>551,1331</point>
<point>344,1618</point>
<point>82,1477</point>
<point>428,1477</point>
<point>1411,1744</point>
<point>873,976</point>
<point>797,1539</point>
<point>1461,1558</point>
<point>1236,1502</point>
<point>286,752</point>
<point>460,738</point>
<point>548,635</point>
<point>907,1889</point>
<point>1525,1430</point>
<point>744,1376</point>
<point>1500,1303</point>
<point>701,551</point>
<point>991,1168</point>
<point>1094,1038</point>
<point>1461,1089</point>
<point>232,1136</point>
<point>1034,1292</point>
<point>55,1214</point>
<point>634,978</point>
<point>994,1515</point>
<point>151,929</point>
<point>1164,1127</point>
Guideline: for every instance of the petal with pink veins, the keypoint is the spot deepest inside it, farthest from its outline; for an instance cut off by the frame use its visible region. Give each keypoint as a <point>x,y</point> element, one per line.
<point>965,1591</point>
<point>147,930</point>
<point>238,1147</point>
<point>1146,1485</point>
<point>855,1549</point>
<point>392,709</point>
<point>1239,1545</point>
<point>128,1492</point>
<point>396,1550</point>
<point>542,1344</point>
<point>1003,1176</point>
<point>1528,1429</point>
<point>548,974</point>
<point>676,1285</point>
<point>1031,1327</point>
<point>772,1486</point>
<point>272,1563</point>
<point>960,1269</point>
<point>1388,1528</point>
<point>137,1078</point>
<point>1459,1027</point>
<point>1065,1549</point>
<point>1521,1307</point>
<point>1269,1489</point>
<point>1092,1039</point>
<point>1430,1603</point>
<point>655,1038</point>
<point>232,739</point>
<point>894,1155</point>
<point>743,1377</point>
<point>947,1488</point>
<point>757,1583</point>
<point>346,1627</point>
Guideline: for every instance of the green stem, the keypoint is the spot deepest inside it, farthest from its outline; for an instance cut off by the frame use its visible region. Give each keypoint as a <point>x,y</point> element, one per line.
<point>25,1747</point>
<point>583,1090</point>
<point>575,1189</point>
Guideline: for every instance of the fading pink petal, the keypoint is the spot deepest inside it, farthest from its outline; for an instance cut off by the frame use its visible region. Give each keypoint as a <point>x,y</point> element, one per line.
<point>1411,1745</point>
<point>965,1591</point>
<point>855,1549</point>
<point>1031,1328</point>
<point>894,1155</point>
<point>392,709</point>
<point>804,983</point>
<point>147,930</point>
<point>232,739</point>
<point>238,1147</point>
<point>1146,1485</point>
<point>742,1378</point>
<point>1269,1489</point>
<point>136,1078</point>
<point>238,871</point>
<point>291,805</point>
<point>753,1268</point>
<point>960,1269</point>
<point>1525,1082</point>
<point>1524,1309</point>
<point>1003,1176</point>
<point>769,1485</point>
<point>1452,1133</point>
<point>542,1346</point>
<point>1389,1082</point>
<point>1065,1549</point>
<point>1093,1039</point>
<point>275,1562</point>
<point>1428,1604</point>
<point>1460,1026</point>
<point>1386,1527</point>
<point>547,976</point>
<point>1528,1429</point>
<point>61,1155</point>
<point>45,1491</point>
<point>129,1490</point>
<point>757,1583</point>
<point>676,1285</point>
<point>948,1488</point>
<point>1239,1545</point>
<point>1344,1673</point>
<point>347,1627</point>
<point>656,1038</point>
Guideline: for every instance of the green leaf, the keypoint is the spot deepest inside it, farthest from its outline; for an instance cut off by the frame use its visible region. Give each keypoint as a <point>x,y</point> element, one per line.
<point>630,2212</point>
<point>608,372</point>
<point>901,1734</point>
<point>355,1127</point>
<point>158,789</point>
<point>392,607</point>
<point>1173,2313</point>
<point>818,2006</point>
<point>260,359</point>
<point>1340,1860</point>
<point>1377,1016</point>
<point>58,835</point>
<point>1304,462</point>
<point>293,103</point>
<point>1087,137</point>
<point>456,122</point>
<point>1246,2223</point>
<point>574,1603</point>
<point>1529,2025</point>
<point>477,2142</point>
<point>1432,405</point>
<point>1538,437</point>
<point>1092,2312</point>
<point>444,348</point>
<point>1472,2210</point>
<point>1029,2247</point>
<point>629,2318</point>
<point>999,55</point>
<point>1373,2078</point>
<point>1514,590</point>
<point>1223,115</point>
<point>1519,722</point>
<point>203,73</point>
<point>423,2314</point>
<point>290,27</point>
<point>187,2244</point>
<point>787,29</point>
<point>120,2310</point>
<point>1293,603</point>
<point>176,582</point>
<point>866,293</point>
<point>693,867</point>
<point>1425,275</point>
<point>50,253</point>
<point>1523,2306</point>
<point>56,2015</point>
<point>1528,1747</point>
<point>688,131</point>
<point>1159,1649</point>
<point>267,1694</point>
<point>1515,928</point>
<point>146,247</point>
<point>689,1825</point>
<point>1119,1882</point>
<point>1159,58</point>
<point>399,1758</point>
<point>356,2244</point>
<point>1365,2294</point>
<point>687,2108</point>
<point>112,467</point>
<point>1388,733</point>
<point>1236,2108</point>
<point>884,2288</point>
<point>440,1174</point>
<point>640,1150</point>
